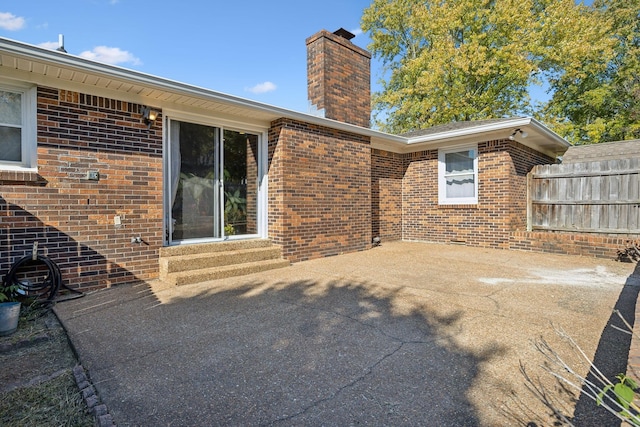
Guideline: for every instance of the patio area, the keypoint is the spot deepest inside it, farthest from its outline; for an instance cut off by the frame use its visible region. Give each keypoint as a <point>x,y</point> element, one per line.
<point>402,334</point>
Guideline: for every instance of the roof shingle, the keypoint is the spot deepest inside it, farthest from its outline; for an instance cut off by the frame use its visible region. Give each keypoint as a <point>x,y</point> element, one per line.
<point>454,126</point>
<point>603,151</point>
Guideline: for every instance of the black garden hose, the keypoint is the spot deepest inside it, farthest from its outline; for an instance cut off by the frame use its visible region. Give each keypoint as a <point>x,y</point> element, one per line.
<point>44,289</point>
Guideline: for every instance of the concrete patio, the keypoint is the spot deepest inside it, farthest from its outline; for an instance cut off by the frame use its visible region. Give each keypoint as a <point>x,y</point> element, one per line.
<point>403,334</point>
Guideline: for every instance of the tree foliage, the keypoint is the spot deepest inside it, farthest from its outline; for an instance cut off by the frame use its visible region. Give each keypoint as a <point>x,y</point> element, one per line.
<point>600,100</point>
<point>455,60</point>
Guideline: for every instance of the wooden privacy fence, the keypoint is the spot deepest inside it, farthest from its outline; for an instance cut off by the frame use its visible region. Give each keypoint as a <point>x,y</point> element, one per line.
<point>595,197</point>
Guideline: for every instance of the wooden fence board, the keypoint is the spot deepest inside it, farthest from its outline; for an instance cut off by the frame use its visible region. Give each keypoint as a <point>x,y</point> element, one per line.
<point>587,215</point>
<point>592,196</point>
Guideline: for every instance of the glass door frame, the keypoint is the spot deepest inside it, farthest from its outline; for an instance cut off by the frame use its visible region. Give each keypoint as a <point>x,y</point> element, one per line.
<point>261,199</point>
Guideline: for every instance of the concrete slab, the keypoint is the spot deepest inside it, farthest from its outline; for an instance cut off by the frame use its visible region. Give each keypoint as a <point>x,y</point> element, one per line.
<point>403,334</point>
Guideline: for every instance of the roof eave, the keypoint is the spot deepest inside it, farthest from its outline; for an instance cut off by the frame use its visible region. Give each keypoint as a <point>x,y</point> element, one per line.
<point>132,76</point>
<point>451,137</point>
<point>114,72</point>
<point>381,140</point>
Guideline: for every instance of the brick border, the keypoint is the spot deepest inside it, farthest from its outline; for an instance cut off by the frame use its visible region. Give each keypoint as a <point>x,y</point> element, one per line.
<point>88,391</point>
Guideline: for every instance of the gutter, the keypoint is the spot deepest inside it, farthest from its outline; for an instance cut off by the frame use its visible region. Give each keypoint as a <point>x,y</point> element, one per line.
<point>491,127</point>
<point>550,134</point>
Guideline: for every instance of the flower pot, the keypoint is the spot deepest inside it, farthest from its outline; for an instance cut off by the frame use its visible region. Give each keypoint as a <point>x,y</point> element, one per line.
<point>9,315</point>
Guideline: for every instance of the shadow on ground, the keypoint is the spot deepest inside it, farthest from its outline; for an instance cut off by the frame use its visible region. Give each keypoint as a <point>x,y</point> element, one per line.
<point>610,358</point>
<point>287,353</point>
<point>612,354</point>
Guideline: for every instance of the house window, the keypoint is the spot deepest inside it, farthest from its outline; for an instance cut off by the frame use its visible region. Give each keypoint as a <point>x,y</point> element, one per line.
<point>458,175</point>
<point>17,127</point>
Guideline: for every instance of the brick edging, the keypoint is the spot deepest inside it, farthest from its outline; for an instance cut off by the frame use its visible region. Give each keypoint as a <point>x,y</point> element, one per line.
<point>97,408</point>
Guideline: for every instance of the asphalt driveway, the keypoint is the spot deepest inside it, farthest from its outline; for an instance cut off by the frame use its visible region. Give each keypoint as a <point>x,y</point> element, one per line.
<point>403,334</point>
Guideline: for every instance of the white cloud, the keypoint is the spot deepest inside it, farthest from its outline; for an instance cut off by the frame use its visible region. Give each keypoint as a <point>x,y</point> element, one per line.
<point>110,55</point>
<point>261,88</point>
<point>356,32</point>
<point>8,21</point>
<point>49,45</point>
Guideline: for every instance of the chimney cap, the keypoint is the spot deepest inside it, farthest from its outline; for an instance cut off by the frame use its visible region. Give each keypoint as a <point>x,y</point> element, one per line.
<point>344,33</point>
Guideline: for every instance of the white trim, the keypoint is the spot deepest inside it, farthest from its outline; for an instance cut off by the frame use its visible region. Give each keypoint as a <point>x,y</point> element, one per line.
<point>212,120</point>
<point>442,183</point>
<point>75,63</point>
<point>471,130</point>
<point>28,127</point>
<point>490,127</point>
<point>263,186</point>
<point>166,179</point>
<point>540,138</point>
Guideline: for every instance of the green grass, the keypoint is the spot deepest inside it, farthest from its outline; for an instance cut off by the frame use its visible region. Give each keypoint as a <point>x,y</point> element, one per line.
<point>56,402</point>
<point>37,386</point>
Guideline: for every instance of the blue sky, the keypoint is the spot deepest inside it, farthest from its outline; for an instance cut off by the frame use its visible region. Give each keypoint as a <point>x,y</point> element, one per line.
<point>252,49</point>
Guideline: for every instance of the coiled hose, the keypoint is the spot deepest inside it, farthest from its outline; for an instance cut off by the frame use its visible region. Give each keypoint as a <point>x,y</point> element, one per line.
<point>47,285</point>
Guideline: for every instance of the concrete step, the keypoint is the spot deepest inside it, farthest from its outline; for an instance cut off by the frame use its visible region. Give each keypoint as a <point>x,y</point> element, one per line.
<point>207,248</point>
<point>215,273</point>
<point>186,264</point>
<point>198,261</point>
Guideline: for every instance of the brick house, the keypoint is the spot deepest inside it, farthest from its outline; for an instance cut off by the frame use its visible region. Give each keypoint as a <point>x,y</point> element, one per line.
<point>113,171</point>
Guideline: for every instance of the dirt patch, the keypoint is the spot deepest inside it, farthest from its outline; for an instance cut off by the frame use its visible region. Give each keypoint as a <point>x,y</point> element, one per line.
<point>37,385</point>
<point>36,351</point>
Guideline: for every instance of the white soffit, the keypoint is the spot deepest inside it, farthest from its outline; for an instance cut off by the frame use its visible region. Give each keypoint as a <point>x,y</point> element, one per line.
<point>45,66</point>
<point>42,66</point>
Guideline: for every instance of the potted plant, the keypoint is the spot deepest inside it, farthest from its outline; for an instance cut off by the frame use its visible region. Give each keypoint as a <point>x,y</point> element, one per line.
<point>9,309</point>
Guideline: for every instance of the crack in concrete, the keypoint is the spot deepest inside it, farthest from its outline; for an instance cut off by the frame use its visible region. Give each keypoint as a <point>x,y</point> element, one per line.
<point>338,391</point>
<point>369,370</point>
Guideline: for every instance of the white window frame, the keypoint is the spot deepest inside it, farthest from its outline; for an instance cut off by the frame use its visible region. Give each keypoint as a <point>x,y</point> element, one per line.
<point>29,127</point>
<point>442,175</point>
<point>263,166</point>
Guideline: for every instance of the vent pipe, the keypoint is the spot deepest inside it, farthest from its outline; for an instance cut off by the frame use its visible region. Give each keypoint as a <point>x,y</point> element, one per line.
<point>61,43</point>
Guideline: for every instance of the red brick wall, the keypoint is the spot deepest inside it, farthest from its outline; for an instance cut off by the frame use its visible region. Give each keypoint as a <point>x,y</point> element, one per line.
<point>523,159</point>
<point>424,219</point>
<point>501,208</point>
<point>328,193</point>
<point>72,218</point>
<point>339,78</point>
<point>387,172</point>
<point>319,190</point>
<point>585,244</point>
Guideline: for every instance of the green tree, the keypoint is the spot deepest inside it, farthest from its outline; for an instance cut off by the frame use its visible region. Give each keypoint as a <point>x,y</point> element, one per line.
<point>455,60</point>
<point>599,101</point>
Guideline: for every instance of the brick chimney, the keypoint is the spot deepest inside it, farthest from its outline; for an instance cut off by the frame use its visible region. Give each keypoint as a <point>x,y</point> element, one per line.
<point>339,78</point>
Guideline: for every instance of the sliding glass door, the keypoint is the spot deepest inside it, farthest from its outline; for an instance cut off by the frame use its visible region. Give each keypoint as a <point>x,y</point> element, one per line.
<point>212,183</point>
<point>240,178</point>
